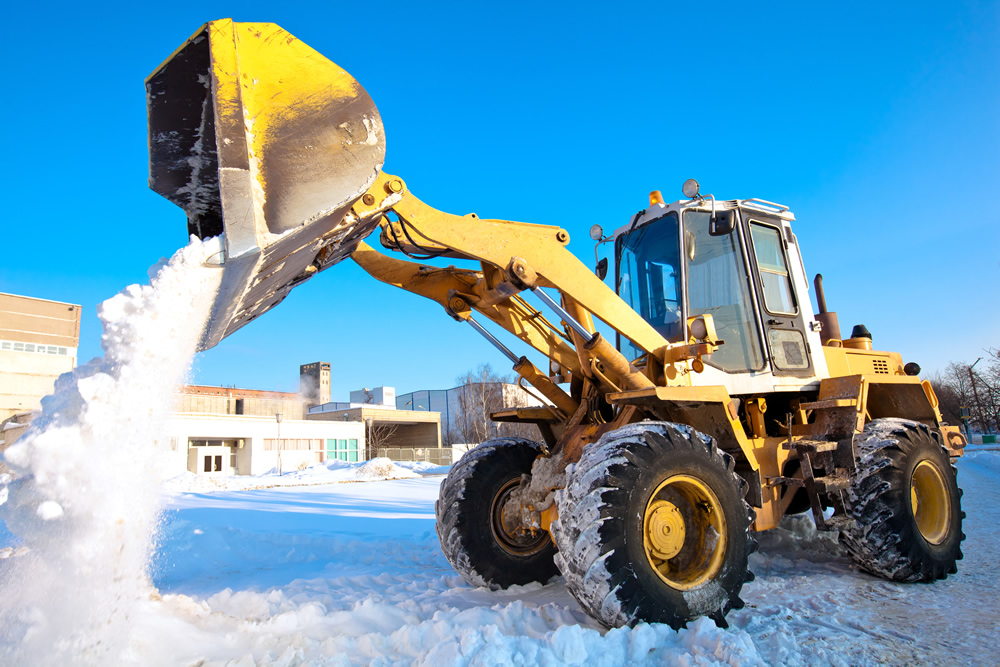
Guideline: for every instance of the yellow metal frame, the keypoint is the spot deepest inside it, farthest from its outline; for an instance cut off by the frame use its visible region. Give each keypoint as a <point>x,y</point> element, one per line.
<point>516,256</point>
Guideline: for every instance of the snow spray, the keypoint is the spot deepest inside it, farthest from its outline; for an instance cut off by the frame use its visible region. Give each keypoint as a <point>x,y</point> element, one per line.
<point>84,496</point>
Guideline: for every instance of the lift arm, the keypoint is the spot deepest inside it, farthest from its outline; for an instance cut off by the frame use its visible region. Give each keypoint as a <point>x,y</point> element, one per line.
<point>515,257</point>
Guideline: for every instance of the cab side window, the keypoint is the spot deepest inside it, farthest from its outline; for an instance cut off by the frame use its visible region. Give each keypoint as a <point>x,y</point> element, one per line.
<point>778,297</point>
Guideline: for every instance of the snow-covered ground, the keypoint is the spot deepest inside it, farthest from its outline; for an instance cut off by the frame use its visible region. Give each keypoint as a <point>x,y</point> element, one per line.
<point>352,574</point>
<point>330,472</point>
<point>339,564</point>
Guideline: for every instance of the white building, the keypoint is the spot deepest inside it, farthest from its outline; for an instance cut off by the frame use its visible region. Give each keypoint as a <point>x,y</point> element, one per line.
<point>249,445</point>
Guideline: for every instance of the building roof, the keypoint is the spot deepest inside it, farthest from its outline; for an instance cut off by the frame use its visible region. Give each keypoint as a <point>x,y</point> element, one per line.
<point>235,392</point>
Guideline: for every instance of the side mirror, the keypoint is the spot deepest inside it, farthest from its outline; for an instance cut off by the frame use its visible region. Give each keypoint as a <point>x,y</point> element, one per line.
<point>602,268</point>
<point>723,223</point>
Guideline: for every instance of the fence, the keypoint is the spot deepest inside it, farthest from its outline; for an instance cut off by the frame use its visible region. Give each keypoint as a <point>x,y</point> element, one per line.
<point>438,456</point>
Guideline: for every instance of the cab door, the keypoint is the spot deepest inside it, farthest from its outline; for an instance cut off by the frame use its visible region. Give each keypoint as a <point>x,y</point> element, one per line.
<point>784,325</point>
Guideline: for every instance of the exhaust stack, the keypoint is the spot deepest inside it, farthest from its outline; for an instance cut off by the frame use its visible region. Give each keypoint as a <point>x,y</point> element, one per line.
<point>831,326</point>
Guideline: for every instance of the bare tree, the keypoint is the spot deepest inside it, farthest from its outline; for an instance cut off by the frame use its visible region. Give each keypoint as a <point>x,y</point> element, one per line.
<point>378,435</point>
<point>479,393</point>
<point>975,386</point>
<point>986,390</point>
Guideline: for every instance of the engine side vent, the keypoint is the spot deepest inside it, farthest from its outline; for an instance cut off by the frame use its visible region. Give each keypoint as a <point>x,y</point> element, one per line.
<point>881,366</point>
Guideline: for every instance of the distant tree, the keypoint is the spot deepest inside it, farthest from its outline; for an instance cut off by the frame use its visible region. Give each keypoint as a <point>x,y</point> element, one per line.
<point>479,393</point>
<point>975,386</point>
<point>987,384</point>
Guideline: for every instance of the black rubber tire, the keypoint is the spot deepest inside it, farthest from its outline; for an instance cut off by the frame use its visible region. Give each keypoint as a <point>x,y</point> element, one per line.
<point>599,531</point>
<point>884,539</point>
<point>464,517</point>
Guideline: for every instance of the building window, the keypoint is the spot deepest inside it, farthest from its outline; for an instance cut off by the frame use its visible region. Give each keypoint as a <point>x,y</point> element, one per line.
<point>37,348</point>
<point>342,449</point>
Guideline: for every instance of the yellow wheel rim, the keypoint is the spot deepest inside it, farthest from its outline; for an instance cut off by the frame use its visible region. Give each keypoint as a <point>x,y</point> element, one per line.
<point>930,502</point>
<point>684,532</point>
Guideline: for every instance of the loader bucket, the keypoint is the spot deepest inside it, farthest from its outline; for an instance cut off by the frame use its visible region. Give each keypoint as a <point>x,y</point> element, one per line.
<point>257,135</point>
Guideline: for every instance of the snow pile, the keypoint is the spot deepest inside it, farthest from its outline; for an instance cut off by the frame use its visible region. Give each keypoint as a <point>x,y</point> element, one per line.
<point>381,469</point>
<point>85,496</point>
<point>425,467</point>
<point>328,472</point>
<point>279,629</point>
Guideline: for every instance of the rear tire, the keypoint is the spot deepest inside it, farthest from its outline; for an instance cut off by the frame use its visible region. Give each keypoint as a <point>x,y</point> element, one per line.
<point>468,508</point>
<point>653,527</point>
<point>905,503</point>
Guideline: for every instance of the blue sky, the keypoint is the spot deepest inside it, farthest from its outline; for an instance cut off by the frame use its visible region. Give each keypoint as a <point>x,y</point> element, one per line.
<point>875,122</point>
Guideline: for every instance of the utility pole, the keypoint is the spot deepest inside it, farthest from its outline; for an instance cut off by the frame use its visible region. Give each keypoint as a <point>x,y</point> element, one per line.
<point>278,418</point>
<point>975,392</point>
<point>368,438</point>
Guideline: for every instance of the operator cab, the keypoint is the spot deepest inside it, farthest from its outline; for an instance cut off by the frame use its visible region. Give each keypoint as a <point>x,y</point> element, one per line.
<point>737,261</point>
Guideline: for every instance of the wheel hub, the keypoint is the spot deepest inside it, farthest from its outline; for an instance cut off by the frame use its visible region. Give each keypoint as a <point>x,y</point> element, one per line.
<point>515,539</point>
<point>929,502</point>
<point>684,532</point>
<point>665,530</point>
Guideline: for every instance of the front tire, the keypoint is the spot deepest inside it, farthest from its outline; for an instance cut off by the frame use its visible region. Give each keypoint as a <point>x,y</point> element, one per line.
<point>653,527</point>
<point>905,503</point>
<point>469,525</point>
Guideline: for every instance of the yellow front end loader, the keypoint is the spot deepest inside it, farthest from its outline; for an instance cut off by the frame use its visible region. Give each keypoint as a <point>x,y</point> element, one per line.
<point>723,404</point>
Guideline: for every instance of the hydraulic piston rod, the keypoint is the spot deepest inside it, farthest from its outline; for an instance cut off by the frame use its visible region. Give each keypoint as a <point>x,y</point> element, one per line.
<point>561,312</point>
<point>493,340</point>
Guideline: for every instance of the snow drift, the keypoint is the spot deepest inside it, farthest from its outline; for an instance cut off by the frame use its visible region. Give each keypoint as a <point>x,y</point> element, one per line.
<point>85,498</point>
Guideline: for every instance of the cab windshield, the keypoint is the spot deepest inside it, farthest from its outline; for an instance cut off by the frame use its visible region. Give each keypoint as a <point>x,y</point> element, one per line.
<point>649,278</point>
<point>718,286</point>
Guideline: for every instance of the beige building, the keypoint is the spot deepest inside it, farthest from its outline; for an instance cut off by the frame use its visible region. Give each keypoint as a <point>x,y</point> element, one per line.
<point>204,399</point>
<point>38,343</point>
<point>404,435</point>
